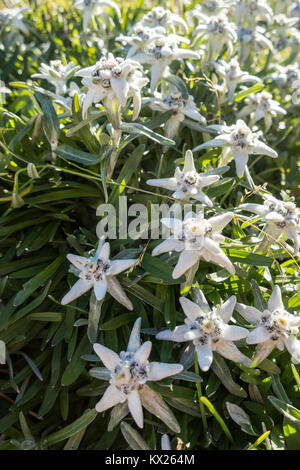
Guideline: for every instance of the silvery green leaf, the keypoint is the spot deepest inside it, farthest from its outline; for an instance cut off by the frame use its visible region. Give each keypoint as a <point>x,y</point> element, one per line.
<point>241,418</point>
<point>100,373</point>
<point>155,405</point>
<point>135,441</point>
<point>118,412</point>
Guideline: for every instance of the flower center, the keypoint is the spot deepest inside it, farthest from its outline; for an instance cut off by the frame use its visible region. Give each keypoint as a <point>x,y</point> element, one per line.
<point>128,374</point>
<point>95,270</point>
<point>277,323</point>
<point>208,327</point>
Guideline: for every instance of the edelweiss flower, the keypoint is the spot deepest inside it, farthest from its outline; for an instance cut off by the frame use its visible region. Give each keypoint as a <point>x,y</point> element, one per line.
<point>281,217</point>
<point>218,31</point>
<point>211,8</point>
<point>284,32</point>
<point>13,19</point>
<point>141,38</point>
<point>253,39</point>
<point>187,183</point>
<point>94,8</point>
<point>285,76</point>
<point>99,272</point>
<point>160,55</point>
<point>253,11</point>
<point>181,108</point>
<point>158,16</point>
<point>113,80</point>
<point>241,141</point>
<point>209,330</point>
<point>275,327</point>
<point>233,75</point>
<point>196,238</point>
<point>58,74</point>
<point>261,105</point>
<point>129,373</point>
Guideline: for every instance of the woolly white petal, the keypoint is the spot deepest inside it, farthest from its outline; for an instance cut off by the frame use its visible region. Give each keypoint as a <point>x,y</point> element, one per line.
<point>104,252</point>
<point>142,354</point>
<point>230,351</point>
<point>135,341</point>
<point>205,356</point>
<point>78,261</point>
<point>275,300</point>
<point>168,245</point>
<point>165,442</point>
<point>100,288</point>
<point>258,335</point>
<point>117,266</point>
<point>168,183</point>
<point>251,314</point>
<point>263,149</point>
<point>187,259</point>
<point>157,71</point>
<point>109,358</point>
<point>191,309</point>
<point>220,221</point>
<point>226,309</point>
<point>110,398</point>
<point>177,335</point>
<point>241,160</point>
<point>258,209</point>
<point>293,346</point>
<point>188,162</point>
<point>158,370</point>
<point>80,287</point>
<point>135,408</point>
<point>233,333</point>
<point>121,89</point>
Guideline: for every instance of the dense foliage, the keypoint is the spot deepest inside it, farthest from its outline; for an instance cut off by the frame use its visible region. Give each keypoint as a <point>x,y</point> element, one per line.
<point>63,153</point>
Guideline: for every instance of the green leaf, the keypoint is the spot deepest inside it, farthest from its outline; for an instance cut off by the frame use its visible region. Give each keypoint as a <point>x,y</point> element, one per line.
<point>134,440</point>
<point>76,155</point>
<point>37,281</point>
<point>73,428</point>
<point>179,84</point>
<point>243,94</point>
<point>138,129</point>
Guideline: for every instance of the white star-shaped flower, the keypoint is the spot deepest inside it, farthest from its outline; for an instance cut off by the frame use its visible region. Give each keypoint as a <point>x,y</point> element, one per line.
<point>181,108</point>
<point>218,31</point>
<point>94,8</point>
<point>261,106</point>
<point>233,76</point>
<point>281,217</point>
<point>196,238</point>
<point>187,183</point>
<point>141,38</point>
<point>285,76</point>
<point>241,141</point>
<point>275,327</point>
<point>98,272</point>
<point>253,39</point>
<point>58,74</point>
<point>158,16</point>
<point>209,331</point>
<point>211,8</point>
<point>13,18</point>
<point>129,373</point>
<point>112,81</point>
<point>253,10</point>
<point>161,53</point>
